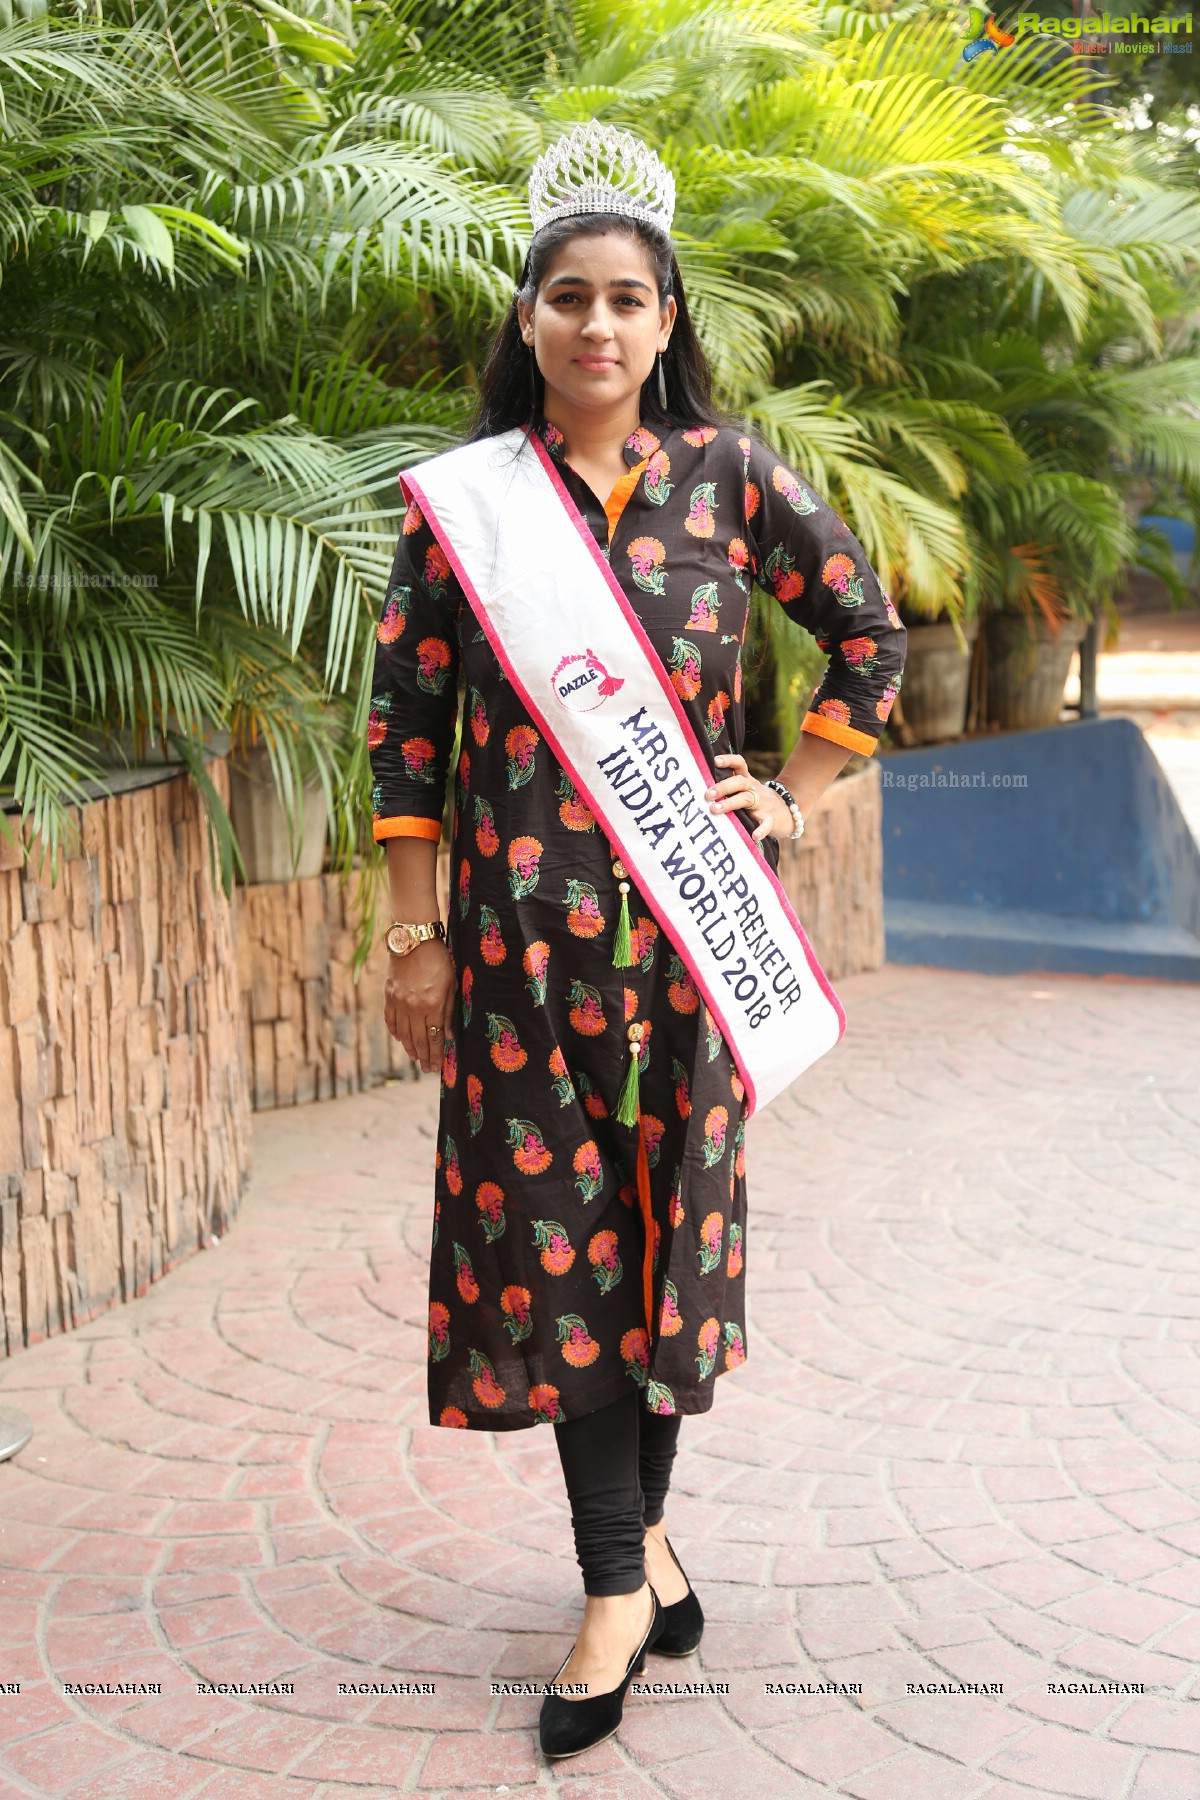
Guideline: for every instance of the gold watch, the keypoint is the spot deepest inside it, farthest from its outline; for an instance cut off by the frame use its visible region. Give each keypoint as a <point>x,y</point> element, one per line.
<point>401,938</point>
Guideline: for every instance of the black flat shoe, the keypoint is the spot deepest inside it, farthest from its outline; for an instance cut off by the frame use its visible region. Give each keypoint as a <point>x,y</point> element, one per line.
<point>683,1620</point>
<point>568,1726</point>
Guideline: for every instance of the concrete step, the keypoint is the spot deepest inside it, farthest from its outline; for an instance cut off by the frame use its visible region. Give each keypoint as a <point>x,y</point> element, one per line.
<point>1064,849</point>
<point>1015,942</point>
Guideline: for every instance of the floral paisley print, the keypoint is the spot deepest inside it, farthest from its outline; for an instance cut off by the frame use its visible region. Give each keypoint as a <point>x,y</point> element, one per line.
<point>573,1257</point>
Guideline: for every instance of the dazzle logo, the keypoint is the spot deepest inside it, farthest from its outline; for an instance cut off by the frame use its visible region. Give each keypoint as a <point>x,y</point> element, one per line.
<point>985,34</point>
<point>582,683</point>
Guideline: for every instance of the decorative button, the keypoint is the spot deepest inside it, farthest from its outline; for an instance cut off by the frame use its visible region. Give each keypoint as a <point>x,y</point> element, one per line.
<point>636,1033</point>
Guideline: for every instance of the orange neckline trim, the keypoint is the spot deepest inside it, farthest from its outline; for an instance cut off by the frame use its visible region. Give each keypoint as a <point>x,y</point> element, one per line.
<point>623,487</point>
<point>647,1211</point>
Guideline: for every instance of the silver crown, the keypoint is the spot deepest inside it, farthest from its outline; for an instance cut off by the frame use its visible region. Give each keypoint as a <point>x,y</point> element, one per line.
<point>597,168</point>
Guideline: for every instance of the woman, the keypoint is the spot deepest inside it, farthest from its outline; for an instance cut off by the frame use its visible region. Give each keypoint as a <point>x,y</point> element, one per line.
<point>589,1236</point>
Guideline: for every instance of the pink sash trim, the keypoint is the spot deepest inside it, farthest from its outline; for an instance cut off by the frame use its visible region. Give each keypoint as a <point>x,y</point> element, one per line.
<point>685,725</point>
<point>412,489</point>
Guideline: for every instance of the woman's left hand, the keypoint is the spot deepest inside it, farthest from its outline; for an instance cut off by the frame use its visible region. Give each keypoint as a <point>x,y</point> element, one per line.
<point>740,791</point>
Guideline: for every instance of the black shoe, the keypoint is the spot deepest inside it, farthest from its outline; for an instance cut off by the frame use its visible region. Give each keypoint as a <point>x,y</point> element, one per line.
<point>568,1726</point>
<point>683,1620</point>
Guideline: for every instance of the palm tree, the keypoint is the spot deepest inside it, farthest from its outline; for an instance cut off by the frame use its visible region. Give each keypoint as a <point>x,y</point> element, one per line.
<point>197,447</point>
<point>917,276</point>
<point>250,254</point>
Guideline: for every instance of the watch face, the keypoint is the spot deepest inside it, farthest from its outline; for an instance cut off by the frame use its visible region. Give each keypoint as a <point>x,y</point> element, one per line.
<point>400,939</point>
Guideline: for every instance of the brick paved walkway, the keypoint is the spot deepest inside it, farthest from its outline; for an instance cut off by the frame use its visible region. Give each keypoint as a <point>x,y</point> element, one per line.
<point>966,1448</point>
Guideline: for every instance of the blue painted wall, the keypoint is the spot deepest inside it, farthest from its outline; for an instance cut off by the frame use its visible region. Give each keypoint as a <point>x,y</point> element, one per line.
<point>1181,535</point>
<point>1041,844</point>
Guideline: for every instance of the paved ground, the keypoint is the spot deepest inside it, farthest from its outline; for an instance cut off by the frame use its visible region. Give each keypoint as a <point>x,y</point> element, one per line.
<point>1175,740</point>
<point>1152,676</point>
<point>965,1449</point>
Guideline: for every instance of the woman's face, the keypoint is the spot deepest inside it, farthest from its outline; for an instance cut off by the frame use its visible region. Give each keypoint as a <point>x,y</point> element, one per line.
<point>595,323</point>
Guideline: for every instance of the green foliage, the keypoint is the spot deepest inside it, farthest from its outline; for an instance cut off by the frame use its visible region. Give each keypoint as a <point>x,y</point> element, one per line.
<point>250,255</point>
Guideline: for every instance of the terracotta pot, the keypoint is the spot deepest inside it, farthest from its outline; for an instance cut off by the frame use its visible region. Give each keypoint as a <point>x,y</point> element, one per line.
<point>1027,670</point>
<point>933,698</point>
<point>261,824</point>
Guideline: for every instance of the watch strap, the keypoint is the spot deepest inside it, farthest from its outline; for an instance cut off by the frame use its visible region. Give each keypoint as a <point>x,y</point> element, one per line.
<point>422,932</point>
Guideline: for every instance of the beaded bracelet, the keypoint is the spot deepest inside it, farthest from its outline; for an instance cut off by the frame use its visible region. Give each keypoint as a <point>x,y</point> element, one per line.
<point>797,815</point>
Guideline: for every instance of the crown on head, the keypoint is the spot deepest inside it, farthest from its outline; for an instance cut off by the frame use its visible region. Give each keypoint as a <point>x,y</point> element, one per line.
<point>597,168</point>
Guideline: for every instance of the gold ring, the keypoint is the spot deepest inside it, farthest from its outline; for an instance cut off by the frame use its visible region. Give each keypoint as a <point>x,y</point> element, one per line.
<point>433,1030</point>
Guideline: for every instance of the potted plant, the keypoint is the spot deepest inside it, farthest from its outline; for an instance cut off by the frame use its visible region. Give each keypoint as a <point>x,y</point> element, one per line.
<point>937,669</point>
<point>1038,610</point>
<point>281,791</point>
<point>1028,659</point>
<point>279,842</point>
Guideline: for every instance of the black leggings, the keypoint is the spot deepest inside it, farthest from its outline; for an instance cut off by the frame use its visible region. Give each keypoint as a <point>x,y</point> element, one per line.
<point>617,1464</point>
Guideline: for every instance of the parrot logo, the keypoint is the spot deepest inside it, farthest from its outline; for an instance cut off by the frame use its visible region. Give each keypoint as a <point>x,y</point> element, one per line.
<point>984,34</point>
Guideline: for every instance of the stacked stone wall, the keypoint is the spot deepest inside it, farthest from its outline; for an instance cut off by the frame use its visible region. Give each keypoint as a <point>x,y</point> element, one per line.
<point>833,875</point>
<point>143,1015</point>
<point>309,1031</point>
<point>124,1124</point>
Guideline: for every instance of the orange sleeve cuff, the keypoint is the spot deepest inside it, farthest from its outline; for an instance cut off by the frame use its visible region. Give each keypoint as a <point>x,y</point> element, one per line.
<point>862,741</point>
<point>407,827</point>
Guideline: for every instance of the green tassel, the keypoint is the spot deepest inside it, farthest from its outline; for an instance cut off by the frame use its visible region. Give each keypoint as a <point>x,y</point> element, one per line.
<point>628,1104</point>
<point>623,957</point>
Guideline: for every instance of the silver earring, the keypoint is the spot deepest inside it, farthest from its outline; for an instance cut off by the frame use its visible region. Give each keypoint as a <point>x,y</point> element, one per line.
<point>662,384</point>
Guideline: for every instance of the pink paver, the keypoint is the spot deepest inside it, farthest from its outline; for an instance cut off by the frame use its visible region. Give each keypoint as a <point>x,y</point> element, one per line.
<point>965,1451</point>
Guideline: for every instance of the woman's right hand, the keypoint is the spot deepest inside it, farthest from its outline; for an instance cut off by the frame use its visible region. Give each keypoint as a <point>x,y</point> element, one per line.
<point>418,994</point>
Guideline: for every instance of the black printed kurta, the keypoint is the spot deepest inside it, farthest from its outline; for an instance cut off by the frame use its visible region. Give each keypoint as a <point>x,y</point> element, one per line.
<point>553,1223</point>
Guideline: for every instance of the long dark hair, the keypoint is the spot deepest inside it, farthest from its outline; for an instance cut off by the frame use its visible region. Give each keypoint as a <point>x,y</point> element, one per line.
<point>511,389</point>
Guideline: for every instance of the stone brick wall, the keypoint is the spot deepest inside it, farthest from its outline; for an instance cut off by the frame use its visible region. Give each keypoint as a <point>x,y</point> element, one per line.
<point>141,1016</point>
<point>834,875</point>
<point>124,1125</point>
<point>309,1031</point>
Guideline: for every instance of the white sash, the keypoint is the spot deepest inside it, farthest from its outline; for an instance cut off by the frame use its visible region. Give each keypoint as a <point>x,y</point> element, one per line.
<point>576,654</point>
